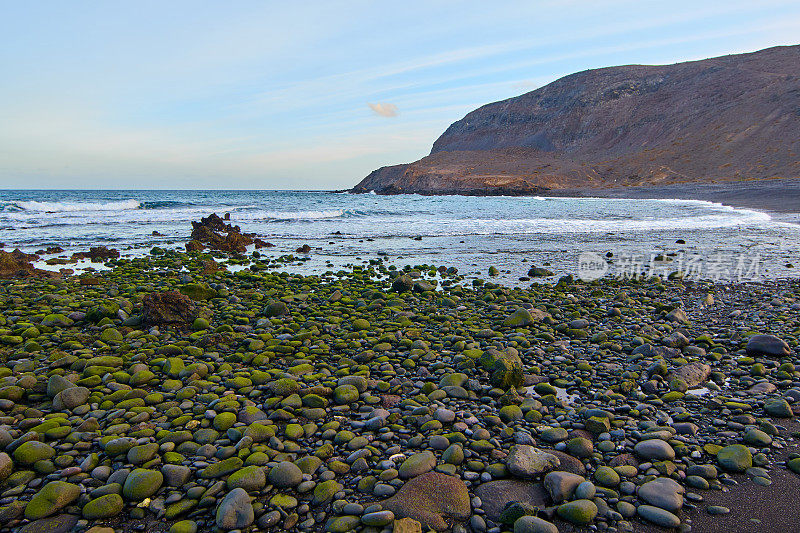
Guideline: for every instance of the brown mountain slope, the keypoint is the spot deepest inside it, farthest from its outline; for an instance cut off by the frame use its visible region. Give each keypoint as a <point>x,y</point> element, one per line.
<point>734,117</point>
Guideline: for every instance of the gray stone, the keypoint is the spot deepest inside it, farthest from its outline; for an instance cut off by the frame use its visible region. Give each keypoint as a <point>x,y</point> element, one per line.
<point>285,474</point>
<point>654,450</point>
<point>71,398</point>
<point>663,492</point>
<point>534,524</point>
<point>235,511</point>
<point>694,374</point>
<point>767,345</point>
<point>176,475</point>
<point>526,461</point>
<point>658,516</point>
<point>561,485</point>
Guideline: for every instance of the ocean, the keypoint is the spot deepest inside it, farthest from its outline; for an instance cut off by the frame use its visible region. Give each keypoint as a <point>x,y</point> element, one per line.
<point>563,235</point>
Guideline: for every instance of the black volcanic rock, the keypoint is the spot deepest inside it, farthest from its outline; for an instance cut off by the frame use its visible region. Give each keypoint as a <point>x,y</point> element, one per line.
<point>728,118</point>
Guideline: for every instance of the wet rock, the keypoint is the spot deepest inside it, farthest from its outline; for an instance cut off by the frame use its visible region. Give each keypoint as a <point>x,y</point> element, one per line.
<point>51,499</point>
<point>435,500</point>
<point>235,510</point>
<point>168,308</point>
<point>767,346</point>
<point>735,458</point>
<point>663,492</point>
<point>525,461</point>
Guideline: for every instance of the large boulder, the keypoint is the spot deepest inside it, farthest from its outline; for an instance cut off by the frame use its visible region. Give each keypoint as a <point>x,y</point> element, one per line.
<point>664,493</point>
<point>51,498</point>
<point>17,264</point>
<point>213,232</point>
<point>767,346</point>
<point>495,495</point>
<point>235,511</point>
<point>694,374</point>
<point>168,308</point>
<point>435,500</point>
<point>507,374</point>
<point>525,461</point>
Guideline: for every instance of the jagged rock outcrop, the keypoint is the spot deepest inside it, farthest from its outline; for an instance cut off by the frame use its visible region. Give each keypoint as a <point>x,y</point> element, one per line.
<point>18,264</point>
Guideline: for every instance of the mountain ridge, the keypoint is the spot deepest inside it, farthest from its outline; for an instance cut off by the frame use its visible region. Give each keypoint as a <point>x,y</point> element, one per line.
<point>729,118</point>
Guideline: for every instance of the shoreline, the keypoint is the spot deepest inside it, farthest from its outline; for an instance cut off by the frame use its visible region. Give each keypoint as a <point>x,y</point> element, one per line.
<point>774,195</point>
<point>777,195</point>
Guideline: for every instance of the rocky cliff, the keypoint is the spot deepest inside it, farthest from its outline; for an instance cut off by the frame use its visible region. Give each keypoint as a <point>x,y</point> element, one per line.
<point>728,118</point>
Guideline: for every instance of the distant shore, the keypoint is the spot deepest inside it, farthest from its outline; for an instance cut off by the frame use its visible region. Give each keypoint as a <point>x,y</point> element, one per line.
<point>776,195</point>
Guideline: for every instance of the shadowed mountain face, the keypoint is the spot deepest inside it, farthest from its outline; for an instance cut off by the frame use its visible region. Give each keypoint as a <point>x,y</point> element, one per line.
<point>729,118</point>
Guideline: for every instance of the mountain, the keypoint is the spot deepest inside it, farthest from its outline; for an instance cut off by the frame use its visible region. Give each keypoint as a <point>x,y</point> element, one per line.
<point>729,118</point>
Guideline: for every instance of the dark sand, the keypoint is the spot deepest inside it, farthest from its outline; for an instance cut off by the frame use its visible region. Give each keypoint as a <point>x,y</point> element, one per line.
<point>775,195</point>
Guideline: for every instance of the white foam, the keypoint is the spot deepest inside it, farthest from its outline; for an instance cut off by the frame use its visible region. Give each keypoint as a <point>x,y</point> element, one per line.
<point>59,207</point>
<point>289,215</point>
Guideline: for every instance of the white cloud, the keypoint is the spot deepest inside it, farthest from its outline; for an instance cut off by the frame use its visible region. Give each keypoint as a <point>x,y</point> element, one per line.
<point>384,109</point>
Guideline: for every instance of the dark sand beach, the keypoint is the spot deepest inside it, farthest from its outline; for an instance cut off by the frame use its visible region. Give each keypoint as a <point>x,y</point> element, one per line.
<point>775,195</point>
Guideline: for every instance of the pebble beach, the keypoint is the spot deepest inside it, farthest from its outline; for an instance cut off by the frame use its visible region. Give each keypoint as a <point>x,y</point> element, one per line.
<point>168,392</point>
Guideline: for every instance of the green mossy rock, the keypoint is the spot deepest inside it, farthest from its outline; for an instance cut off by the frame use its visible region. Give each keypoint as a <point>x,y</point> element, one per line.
<point>32,451</point>
<point>519,319</point>
<point>103,507</point>
<point>141,484</point>
<point>578,512</point>
<point>51,498</point>
<point>324,492</point>
<point>198,291</point>
<point>276,309</point>
<point>735,458</point>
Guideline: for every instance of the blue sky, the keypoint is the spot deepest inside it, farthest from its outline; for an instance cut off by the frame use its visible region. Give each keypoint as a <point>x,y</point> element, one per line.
<point>306,95</point>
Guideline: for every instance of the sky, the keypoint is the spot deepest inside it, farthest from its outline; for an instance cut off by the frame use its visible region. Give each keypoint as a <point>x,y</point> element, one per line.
<point>306,95</point>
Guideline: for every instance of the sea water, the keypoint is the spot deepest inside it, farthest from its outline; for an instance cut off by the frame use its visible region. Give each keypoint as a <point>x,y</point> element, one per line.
<point>471,233</point>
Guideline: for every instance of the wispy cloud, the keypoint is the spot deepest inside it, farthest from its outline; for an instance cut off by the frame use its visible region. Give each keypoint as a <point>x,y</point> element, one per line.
<point>274,95</point>
<point>384,109</point>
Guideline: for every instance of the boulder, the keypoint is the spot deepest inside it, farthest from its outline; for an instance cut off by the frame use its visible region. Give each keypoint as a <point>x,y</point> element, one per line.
<point>767,346</point>
<point>664,493</point>
<point>525,461</point>
<point>51,498</point>
<point>168,308</point>
<point>235,510</point>
<point>694,374</point>
<point>495,495</point>
<point>435,500</point>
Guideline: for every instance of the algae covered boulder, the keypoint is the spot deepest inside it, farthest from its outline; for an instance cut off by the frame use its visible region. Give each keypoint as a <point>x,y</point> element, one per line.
<point>33,451</point>
<point>275,309</point>
<point>520,318</point>
<point>402,283</point>
<point>198,291</point>
<point>105,506</point>
<point>141,484</point>
<point>735,458</point>
<point>507,374</point>
<point>51,498</point>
